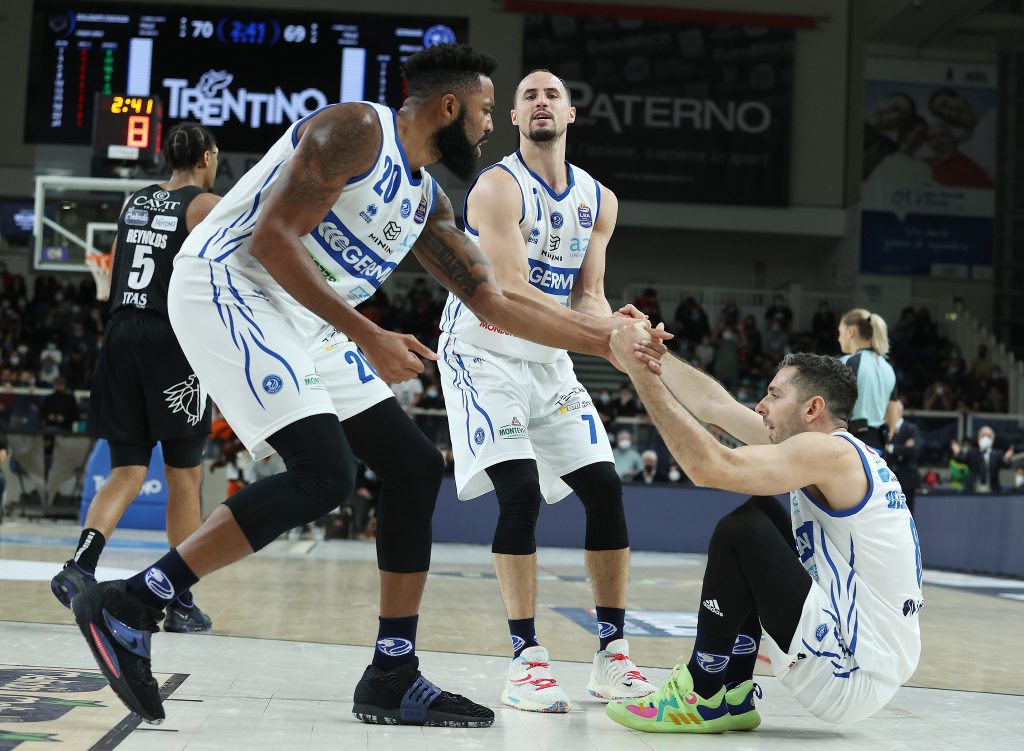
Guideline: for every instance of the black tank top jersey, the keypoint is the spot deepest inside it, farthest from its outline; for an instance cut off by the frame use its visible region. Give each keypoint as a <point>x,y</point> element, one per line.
<point>150,232</point>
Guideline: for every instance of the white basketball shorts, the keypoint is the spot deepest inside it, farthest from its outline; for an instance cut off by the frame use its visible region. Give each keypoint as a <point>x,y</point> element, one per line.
<point>819,671</point>
<point>502,408</point>
<point>265,362</point>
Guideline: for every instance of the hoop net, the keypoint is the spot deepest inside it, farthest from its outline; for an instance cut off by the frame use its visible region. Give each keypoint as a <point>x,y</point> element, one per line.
<point>99,267</point>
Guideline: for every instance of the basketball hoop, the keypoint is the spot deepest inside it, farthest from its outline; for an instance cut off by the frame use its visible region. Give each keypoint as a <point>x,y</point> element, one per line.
<point>99,267</point>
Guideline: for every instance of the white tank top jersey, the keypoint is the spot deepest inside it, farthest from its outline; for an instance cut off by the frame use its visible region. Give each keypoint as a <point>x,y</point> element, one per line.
<point>556,228</point>
<point>868,560</point>
<point>360,241</point>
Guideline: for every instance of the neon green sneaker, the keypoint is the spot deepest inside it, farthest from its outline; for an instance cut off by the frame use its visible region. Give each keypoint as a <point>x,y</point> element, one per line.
<point>674,708</point>
<point>741,705</point>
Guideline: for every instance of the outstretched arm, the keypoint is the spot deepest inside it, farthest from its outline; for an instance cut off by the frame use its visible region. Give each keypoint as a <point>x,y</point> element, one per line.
<point>456,261</point>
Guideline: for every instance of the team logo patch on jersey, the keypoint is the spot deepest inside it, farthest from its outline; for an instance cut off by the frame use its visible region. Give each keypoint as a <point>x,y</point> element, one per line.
<point>406,208</point>
<point>513,430</point>
<point>394,647</point>
<point>165,223</point>
<point>273,383</point>
<point>136,217</point>
<point>368,215</point>
<point>158,583</point>
<point>884,474</point>
<point>556,220</point>
<point>821,632</point>
<point>534,236</point>
<point>186,397</point>
<point>479,436</point>
<point>421,211</point>
<point>586,218</point>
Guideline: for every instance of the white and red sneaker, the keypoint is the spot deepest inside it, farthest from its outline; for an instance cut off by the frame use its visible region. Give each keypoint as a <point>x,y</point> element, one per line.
<point>614,676</point>
<point>530,686</point>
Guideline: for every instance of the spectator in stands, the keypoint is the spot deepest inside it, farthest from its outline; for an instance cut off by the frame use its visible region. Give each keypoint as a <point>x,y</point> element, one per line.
<point>730,314</point>
<point>823,328</point>
<point>49,364</point>
<point>704,354</point>
<point>1018,480</point>
<point>779,311</point>
<point>648,304</point>
<point>691,323</point>
<point>983,462</point>
<point>60,409</point>
<point>982,366</point>
<point>627,460</point>
<point>650,473</point>
<point>408,393</point>
<point>938,396</point>
<point>626,404</point>
<point>776,340</point>
<point>431,399</point>
<point>674,473</point>
<point>904,449</point>
<point>727,355</point>
<point>750,341</point>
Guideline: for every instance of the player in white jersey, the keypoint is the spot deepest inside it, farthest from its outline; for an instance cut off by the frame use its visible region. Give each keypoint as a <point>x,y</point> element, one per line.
<point>840,617</point>
<point>262,302</point>
<point>520,422</point>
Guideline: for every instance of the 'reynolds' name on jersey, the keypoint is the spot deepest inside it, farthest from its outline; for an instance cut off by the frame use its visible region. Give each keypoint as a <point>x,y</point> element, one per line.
<point>146,237</point>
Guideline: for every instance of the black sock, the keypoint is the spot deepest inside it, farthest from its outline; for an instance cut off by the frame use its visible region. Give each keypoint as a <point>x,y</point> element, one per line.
<point>90,545</point>
<point>708,663</point>
<point>744,652</point>
<point>157,585</point>
<point>396,642</point>
<point>524,634</point>
<point>610,624</point>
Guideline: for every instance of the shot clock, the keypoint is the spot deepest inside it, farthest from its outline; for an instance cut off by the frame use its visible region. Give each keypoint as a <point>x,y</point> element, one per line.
<point>127,128</point>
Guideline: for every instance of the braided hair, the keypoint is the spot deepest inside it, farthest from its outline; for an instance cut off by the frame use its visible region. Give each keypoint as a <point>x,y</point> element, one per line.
<point>185,145</point>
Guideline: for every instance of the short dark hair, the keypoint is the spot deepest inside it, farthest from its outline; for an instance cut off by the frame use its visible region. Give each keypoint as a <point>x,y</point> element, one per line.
<point>565,86</point>
<point>185,145</point>
<point>824,376</point>
<point>446,68</point>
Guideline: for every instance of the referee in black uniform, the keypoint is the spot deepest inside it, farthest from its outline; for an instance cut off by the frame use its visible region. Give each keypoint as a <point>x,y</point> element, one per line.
<point>864,340</point>
<point>144,390</point>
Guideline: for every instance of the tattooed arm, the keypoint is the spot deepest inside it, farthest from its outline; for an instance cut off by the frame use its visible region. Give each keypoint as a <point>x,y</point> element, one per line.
<point>456,261</point>
<point>335,145</point>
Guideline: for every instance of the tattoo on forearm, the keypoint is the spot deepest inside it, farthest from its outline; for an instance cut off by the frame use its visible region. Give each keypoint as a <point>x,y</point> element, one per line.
<point>457,258</point>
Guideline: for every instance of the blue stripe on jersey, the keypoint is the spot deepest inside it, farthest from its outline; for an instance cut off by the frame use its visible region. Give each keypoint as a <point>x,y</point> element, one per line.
<point>871,482</point>
<point>465,201</point>
<point>295,128</point>
<point>433,198</point>
<point>538,178</point>
<point>470,393</point>
<point>245,216</point>
<point>229,243</point>
<point>248,374</point>
<point>356,258</point>
<point>242,305</point>
<point>597,211</point>
<point>280,359</point>
<point>554,280</point>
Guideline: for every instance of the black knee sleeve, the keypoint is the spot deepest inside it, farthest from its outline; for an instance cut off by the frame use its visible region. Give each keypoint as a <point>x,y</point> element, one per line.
<point>410,468</point>
<point>517,484</point>
<point>600,489</point>
<point>758,515</point>
<point>184,453</point>
<point>129,454</point>
<point>320,476</point>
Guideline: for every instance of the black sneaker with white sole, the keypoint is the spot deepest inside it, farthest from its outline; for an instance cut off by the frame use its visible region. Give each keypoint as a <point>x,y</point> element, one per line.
<point>117,628</point>
<point>402,696</point>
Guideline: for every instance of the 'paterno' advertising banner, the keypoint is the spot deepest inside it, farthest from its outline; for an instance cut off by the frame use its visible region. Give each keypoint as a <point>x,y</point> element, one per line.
<point>670,111</point>
<point>928,197</point>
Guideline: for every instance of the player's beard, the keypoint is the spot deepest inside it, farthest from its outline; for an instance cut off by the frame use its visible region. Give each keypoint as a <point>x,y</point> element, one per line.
<point>543,134</point>
<point>458,153</point>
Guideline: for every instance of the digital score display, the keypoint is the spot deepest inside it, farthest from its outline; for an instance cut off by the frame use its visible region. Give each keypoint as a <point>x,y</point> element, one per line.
<point>245,73</point>
<point>127,128</point>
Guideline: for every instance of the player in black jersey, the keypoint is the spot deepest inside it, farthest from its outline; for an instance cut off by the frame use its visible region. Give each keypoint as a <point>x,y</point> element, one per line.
<point>144,390</point>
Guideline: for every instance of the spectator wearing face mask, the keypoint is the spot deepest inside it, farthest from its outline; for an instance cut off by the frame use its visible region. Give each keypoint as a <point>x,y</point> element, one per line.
<point>627,460</point>
<point>674,474</point>
<point>431,399</point>
<point>650,472</point>
<point>983,462</point>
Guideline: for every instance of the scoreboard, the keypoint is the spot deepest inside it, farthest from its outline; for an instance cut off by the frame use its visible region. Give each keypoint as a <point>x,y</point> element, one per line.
<point>245,73</point>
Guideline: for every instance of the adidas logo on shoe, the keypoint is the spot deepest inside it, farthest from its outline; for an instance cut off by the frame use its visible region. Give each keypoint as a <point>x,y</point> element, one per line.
<point>712,605</point>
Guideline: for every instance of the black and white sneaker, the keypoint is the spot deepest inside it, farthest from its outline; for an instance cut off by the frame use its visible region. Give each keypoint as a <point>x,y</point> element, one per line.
<point>187,619</point>
<point>117,628</point>
<point>402,696</point>
<point>72,580</point>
